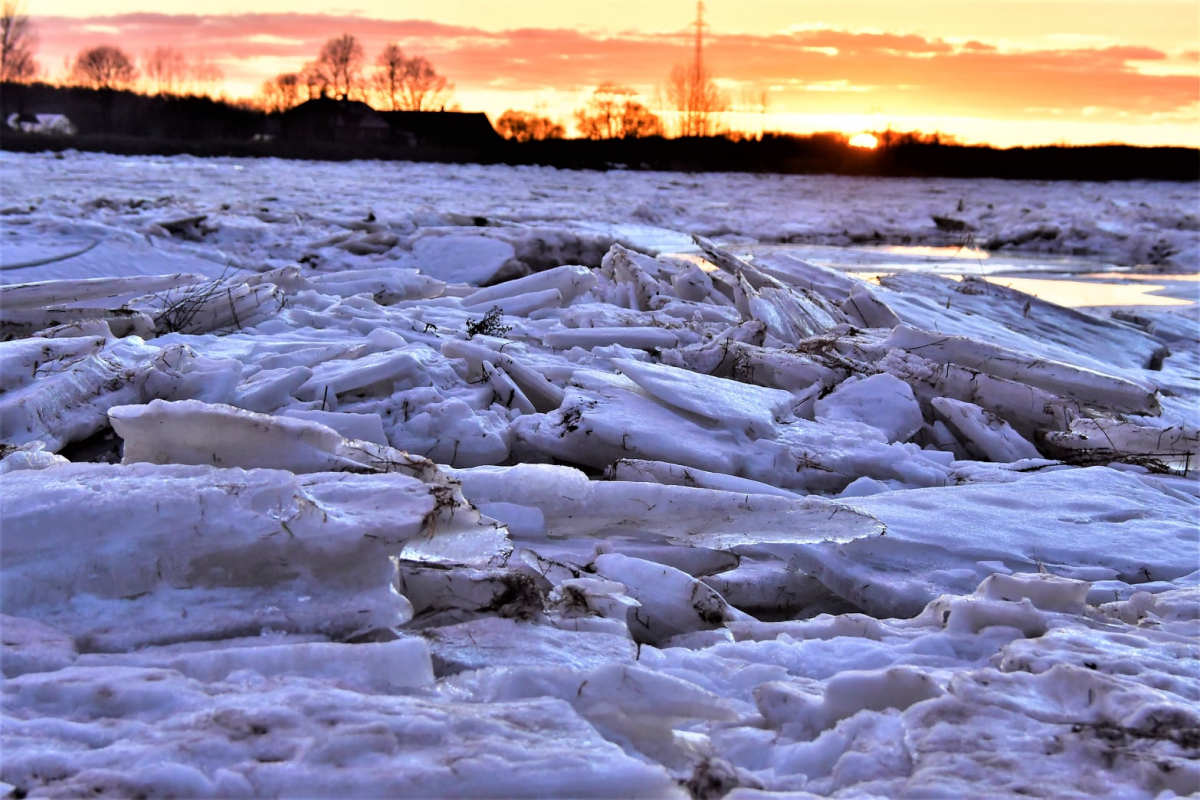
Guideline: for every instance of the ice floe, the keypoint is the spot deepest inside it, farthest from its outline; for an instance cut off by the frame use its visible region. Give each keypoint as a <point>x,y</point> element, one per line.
<point>526,482</point>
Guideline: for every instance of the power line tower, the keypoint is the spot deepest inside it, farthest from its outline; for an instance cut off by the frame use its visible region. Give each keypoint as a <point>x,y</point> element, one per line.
<point>699,25</point>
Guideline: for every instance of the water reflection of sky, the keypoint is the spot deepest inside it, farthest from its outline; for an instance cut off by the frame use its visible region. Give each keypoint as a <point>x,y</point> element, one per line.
<point>1068,281</point>
<point>1100,289</point>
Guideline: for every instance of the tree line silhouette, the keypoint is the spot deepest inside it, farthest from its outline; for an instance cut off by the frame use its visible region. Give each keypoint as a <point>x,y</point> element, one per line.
<point>393,81</point>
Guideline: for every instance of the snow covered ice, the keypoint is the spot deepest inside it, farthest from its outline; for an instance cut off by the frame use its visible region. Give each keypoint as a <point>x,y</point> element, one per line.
<point>427,480</point>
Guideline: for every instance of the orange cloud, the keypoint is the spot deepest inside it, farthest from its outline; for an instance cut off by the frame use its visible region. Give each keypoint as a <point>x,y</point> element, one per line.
<point>856,72</point>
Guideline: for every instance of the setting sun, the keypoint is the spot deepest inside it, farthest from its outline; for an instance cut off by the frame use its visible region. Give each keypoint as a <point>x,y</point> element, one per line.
<point>864,140</point>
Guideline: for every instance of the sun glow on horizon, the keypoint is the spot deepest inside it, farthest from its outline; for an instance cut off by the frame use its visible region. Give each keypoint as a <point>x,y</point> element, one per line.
<point>864,140</point>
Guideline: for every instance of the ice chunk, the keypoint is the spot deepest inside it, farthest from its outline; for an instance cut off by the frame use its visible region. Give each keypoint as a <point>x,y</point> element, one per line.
<point>634,337</point>
<point>671,602</point>
<point>1119,440</point>
<point>882,401</point>
<point>1010,319</point>
<point>192,432</point>
<point>1086,387</point>
<point>67,292</point>
<point>755,409</point>
<point>71,404</point>
<point>384,667</point>
<point>984,433</point>
<point>1060,521</point>
<point>457,258</point>
<point>575,508</point>
<point>569,281</point>
<point>386,285</point>
<point>367,427</point>
<point>202,553</point>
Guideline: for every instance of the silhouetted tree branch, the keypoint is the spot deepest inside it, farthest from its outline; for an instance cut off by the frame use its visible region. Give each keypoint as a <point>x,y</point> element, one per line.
<point>388,76</point>
<point>421,88</point>
<point>341,61</point>
<point>613,113</point>
<point>280,93</point>
<point>17,42</point>
<point>699,103</point>
<point>103,67</point>
<point>523,126</point>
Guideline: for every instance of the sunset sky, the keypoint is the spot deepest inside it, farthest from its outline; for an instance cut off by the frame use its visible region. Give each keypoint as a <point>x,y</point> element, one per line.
<point>1004,72</point>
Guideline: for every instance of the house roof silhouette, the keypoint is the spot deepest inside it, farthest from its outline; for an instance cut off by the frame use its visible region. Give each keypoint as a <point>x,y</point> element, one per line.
<point>441,128</point>
<point>326,119</point>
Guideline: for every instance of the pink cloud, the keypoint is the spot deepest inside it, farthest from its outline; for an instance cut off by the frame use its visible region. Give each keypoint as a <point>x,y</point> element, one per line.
<point>926,75</point>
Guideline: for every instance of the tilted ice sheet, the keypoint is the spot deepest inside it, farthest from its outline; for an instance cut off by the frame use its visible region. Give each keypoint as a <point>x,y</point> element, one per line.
<point>1095,524</point>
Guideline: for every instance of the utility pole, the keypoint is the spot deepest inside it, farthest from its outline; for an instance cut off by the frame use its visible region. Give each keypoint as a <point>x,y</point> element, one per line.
<point>700,26</point>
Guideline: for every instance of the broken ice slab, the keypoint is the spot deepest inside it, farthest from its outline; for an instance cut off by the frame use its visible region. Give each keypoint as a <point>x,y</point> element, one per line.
<point>374,373</point>
<point>62,293</point>
<point>574,508</point>
<point>177,553</point>
<point>1008,318</point>
<point>791,313</point>
<point>1110,439</point>
<point>635,469</point>
<point>121,322</point>
<point>387,285</point>
<point>71,404</point>
<point>1027,409</point>
<point>599,425</point>
<point>985,434</point>
<point>881,401</point>
<point>367,427</point>
<point>748,363</point>
<point>385,667</point>
<point>637,338</point>
<point>755,409</point>
<point>458,258</point>
<point>570,281</point>
<point>215,305</point>
<point>520,305</point>
<point>192,432</point>
<point>1087,387</point>
<point>25,360</point>
<point>671,602</point>
<point>543,394</point>
<point>1092,524</point>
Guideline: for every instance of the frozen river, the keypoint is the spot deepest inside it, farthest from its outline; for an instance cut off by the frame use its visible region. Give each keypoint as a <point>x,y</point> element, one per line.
<point>385,479</point>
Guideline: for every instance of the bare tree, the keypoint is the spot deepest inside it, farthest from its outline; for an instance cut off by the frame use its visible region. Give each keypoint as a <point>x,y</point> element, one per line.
<point>388,77</point>
<point>421,88</point>
<point>315,80</point>
<point>613,113</point>
<point>341,60</point>
<point>280,93</point>
<point>699,103</point>
<point>522,126</point>
<point>165,70</point>
<point>17,43</point>
<point>103,67</point>
<point>206,76</point>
